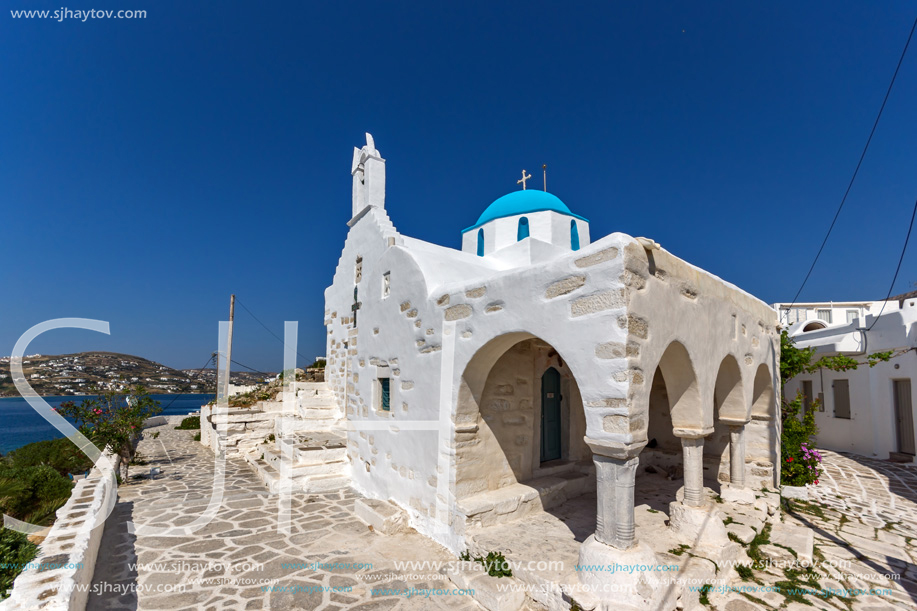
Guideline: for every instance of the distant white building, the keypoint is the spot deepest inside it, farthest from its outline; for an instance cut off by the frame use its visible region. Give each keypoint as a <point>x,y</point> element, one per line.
<point>869,411</point>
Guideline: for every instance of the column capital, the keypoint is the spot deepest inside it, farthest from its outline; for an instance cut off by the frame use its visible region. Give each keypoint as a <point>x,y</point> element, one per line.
<point>693,433</point>
<point>735,421</point>
<point>615,449</point>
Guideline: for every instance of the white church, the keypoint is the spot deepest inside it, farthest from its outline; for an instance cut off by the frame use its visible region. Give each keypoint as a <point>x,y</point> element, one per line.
<point>491,385</point>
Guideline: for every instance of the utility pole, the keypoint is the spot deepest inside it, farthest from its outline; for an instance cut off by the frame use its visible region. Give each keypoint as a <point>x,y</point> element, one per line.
<point>232,312</point>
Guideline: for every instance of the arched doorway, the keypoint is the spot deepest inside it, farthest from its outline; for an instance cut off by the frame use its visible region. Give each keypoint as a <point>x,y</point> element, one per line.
<point>519,423</point>
<point>728,408</point>
<point>761,432</point>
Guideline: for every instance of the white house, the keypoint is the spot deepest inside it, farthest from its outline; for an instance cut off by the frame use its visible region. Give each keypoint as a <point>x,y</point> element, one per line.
<point>483,384</point>
<point>868,411</point>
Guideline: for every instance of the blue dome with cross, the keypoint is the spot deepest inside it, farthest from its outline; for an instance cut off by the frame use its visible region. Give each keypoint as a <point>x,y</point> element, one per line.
<point>522,202</point>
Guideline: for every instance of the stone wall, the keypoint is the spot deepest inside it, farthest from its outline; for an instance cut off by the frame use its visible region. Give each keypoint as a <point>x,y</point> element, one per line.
<point>73,545</point>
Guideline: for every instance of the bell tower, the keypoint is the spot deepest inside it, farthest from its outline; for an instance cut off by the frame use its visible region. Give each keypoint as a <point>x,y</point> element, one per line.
<point>368,171</point>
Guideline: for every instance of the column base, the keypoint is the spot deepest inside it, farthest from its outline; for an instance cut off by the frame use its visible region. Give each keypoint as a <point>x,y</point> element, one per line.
<point>633,584</point>
<point>703,530</point>
<point>734,494</point>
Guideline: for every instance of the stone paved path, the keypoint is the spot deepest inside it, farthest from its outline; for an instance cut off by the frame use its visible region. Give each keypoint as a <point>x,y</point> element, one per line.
<point>211,563</point>
<point>863,515</point>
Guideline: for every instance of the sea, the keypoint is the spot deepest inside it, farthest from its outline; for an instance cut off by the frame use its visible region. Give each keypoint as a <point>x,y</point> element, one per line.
<point>20,424</point>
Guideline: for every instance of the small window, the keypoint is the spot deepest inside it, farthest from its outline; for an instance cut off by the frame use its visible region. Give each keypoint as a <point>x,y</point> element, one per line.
<point>574,236</point>
<point>480,242</point>
<point>824,315</point>
<point>386,284</point>
<point>358,271</point>
<point>842,399</point>
<point>852,316</point>
<point>385,400</point>
<point>523,231</point>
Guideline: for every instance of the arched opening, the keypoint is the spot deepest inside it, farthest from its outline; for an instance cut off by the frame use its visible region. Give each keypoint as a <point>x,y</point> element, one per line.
<point>574,236</point>
<point>728,406</point>
<point>761,432</point>
<point>674,403</point>
<point>519,422</point>
<point>814,326</point>
<point>480,242</point>
<point>523,231</point>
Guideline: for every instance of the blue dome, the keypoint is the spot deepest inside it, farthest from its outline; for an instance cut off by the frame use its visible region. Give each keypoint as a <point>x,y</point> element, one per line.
<point>522,202</point>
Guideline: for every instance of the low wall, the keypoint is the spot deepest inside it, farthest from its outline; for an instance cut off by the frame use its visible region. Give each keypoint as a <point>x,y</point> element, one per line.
<point>235,430</point>
<point>72,545</point>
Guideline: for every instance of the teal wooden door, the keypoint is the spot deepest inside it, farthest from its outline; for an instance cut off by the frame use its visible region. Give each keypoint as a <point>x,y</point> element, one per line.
<point>550,415</point>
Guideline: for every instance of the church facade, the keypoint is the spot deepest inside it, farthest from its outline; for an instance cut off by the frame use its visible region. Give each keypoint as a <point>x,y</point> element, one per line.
<point>536,364</point>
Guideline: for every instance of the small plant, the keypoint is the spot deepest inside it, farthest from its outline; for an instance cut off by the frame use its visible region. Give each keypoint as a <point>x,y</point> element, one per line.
<point>495,563</point>
<point>269,439</point>
<point>190,423</point>
<point>702,597</point>
<point>680,550</point>
<point>156,435</point>
<point>745,572</point>
<point>197,437</point>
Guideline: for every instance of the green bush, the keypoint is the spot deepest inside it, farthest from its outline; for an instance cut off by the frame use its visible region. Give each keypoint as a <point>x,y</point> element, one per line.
<point>190,423</point>
<point>800,462</point>
<point>61,454</point>
<point>33,493</point>
<point>15,551</point>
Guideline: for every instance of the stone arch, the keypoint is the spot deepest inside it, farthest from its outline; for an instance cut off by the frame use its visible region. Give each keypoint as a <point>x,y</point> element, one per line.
<point>762,404</point>
<point>498,433</point>
<point>761,433</point>
<point>729,407</point>
<point>685,406</point>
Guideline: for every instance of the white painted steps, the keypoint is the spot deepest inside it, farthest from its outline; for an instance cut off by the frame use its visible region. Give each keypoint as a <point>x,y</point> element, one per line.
<point>311,438</point>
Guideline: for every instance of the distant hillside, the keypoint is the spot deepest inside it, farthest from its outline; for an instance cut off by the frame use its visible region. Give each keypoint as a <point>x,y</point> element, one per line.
<point>79,374</point>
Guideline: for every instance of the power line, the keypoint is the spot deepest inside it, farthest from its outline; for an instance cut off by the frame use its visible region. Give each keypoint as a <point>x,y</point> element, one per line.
<point>305,360</point>
<point>859,163</point>
<point>897,269</point>
<point>190,377</point>
<point>249,368</point>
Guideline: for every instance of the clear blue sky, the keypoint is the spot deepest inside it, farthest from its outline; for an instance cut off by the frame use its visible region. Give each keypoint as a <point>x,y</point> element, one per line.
<point>149,168</point>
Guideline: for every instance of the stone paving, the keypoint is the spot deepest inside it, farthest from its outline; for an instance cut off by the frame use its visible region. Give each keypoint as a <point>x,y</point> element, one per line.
<point>244,530</point>
<point>862,514</point>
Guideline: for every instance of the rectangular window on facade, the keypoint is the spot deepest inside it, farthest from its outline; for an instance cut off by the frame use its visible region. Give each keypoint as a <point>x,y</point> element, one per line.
<point>807,395</point>
<point>386,284</point>
<point>841,399</point>
<point>824,315</point>
<point>852,316</point>
<point>385,400</point>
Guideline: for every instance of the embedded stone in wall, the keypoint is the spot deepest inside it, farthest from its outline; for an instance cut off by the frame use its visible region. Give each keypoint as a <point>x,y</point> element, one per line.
<point>632,280</point>
<point>565,286</point>
<point>637,376</point>
<point>457,312</point>
<point>404,407</point>
<point>405,306</point>
<point>407,385</point>
<point>466,334</point>
<point>615,402</point>
<point>599,257</point>
<point>430,349</point>
<point>503,389</point>
<point>749,360</point>
<point>498,405</point>
<point>689,292</point>
<point>476,293</point>
<point>635,325</point>
<point>443,301</point>
<point>420,342</point>
<point>376,331</point>
<point>412,313</point>
<point>633,349</point>
<point>430,331</point>
<point>396,372</point>
<point>513,419</point>
<point>619,425</point>
<point>496,306</point>
<point>610,350</point>
<point>598,302</point>
<point>418,323</point>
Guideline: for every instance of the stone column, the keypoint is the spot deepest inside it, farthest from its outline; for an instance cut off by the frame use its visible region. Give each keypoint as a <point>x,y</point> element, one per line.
<point>615,495</point>
<point>737,456</point>
<point>693,450</point>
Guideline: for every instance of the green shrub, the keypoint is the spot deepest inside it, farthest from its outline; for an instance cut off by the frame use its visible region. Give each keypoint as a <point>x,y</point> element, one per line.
<point>190,423</point>
<point>197,437</point>
<point>33,493</point>
<point>61,454</point>
<point>15,551</point>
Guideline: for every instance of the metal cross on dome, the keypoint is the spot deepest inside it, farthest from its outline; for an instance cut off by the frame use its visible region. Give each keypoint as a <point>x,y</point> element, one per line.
<point>524,178</point>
